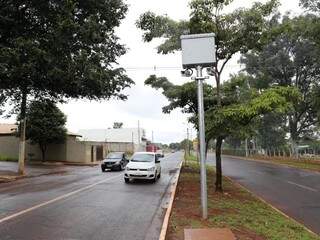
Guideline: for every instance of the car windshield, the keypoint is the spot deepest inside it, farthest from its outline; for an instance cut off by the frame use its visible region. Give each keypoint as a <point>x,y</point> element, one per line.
<point>143,158</point>
<point>114,156</point>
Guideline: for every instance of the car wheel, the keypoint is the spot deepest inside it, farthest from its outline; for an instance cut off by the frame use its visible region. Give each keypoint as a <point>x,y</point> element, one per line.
<point>103,169</point>
<point>126,180</point>
<point>155,178</point>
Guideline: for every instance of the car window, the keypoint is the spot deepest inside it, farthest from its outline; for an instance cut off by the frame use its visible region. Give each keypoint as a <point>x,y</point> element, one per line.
<point>143,158</point>
<point>114,155</point>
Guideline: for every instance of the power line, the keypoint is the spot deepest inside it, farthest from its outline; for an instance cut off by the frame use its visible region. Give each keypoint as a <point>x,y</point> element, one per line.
<point>240,67</point>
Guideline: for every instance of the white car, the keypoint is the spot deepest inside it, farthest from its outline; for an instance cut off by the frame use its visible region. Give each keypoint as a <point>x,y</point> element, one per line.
<point>160,153</point>
<point>143,165</point>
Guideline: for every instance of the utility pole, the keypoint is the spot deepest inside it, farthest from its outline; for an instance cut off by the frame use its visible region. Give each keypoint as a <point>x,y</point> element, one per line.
<point>22,148</point>
<point>152,137</point>
<point>188,146</point>
<point>132,141</point>
<point>139,137</point>
<point>246,147</point>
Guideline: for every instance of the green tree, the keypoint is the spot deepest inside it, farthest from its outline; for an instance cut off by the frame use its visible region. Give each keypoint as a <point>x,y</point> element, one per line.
<point>186,145</point>
<point>292,59</point>
<point>45,125</point>
<point>272,131</point>
<point>117,125</point>
<point>313,5</point>
<point>241,106</point>
<point>236,32</point>
<point>175,146</point>
<point>60,49</point>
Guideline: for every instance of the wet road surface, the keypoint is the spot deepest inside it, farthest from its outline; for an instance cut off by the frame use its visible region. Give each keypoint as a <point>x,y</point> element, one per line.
<point>295,192</point>
<point>85,204</point>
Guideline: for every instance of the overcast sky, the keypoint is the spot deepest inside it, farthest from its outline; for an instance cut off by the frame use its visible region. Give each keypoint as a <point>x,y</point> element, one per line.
<point>145,104</point>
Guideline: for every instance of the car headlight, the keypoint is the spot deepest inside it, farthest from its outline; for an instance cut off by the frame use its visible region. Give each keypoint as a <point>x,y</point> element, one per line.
<point>151,169</point>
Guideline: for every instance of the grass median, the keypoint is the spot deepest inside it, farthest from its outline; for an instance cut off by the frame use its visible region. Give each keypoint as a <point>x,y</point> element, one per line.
<point>237,209</point>
<point>313,165</point>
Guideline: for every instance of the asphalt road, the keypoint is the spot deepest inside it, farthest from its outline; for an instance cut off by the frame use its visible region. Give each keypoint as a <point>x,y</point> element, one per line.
<point>85,204</point>
<point>295,192</point>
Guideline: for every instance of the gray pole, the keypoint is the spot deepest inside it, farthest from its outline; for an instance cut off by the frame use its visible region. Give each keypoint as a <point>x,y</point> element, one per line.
<point>203,172</point>
<point>188,147</point>
<point>246,147</point>
<point>152,137</point>
<point>22,148</point>
<point>139,137</point>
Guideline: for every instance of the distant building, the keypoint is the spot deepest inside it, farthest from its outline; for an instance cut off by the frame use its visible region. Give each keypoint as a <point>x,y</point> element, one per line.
<point>72,150</point>
<point>120,139</point>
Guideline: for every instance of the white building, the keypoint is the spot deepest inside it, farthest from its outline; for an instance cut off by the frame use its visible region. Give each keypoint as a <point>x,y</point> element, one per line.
<point>134,136</point>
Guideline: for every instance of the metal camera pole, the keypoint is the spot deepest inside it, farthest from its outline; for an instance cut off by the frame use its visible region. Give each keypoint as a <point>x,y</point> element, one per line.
<point>198,50</point>
<point>204,196</point>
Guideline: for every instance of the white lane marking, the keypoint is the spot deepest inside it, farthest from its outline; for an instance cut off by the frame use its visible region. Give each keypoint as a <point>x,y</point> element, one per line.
<point>54,200</point>
<point>302,186</point>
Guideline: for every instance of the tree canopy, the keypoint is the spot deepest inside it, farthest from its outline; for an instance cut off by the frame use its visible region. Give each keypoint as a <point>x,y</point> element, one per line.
<point>292,59</point>
<point>117,125</point>
<point>45,125</point>
<point>313,5</point>
<point>240,31</point>
<point>241,105</point>
<point>61,49</point>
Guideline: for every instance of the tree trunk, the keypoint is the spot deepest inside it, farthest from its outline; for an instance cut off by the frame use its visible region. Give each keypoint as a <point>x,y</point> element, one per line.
<point>218,90</point>
<point>43,152</point>
<point>22,143</point>
<point>293,125</point>
<point>207,146</point>
<point>218,164</point>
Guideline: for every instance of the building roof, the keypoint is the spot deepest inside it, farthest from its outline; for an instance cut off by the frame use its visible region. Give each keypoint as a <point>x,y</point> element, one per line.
<point>10,129</point>
<point>7,128</point>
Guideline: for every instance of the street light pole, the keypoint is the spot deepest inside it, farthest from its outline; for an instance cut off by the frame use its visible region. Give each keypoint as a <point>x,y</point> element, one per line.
<point>204,200</point>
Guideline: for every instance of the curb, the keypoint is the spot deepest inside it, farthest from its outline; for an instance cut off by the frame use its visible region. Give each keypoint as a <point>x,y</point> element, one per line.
<point>6,179</point>
<point>165,223</point>
<point>274,208</point>
<point>277,164</point>
<point>64,164</point>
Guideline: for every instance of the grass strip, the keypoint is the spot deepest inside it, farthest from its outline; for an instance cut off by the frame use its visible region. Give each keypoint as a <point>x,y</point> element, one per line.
<point>297,163</point>
<point>237,209</point>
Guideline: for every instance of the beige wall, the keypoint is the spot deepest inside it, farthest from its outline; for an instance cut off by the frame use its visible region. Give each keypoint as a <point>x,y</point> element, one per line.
<point>77,151</point>
<point>9,146</point>
<point>72,151</point>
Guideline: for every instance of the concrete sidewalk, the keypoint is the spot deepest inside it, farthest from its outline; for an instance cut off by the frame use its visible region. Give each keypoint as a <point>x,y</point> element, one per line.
<point>8,171</point>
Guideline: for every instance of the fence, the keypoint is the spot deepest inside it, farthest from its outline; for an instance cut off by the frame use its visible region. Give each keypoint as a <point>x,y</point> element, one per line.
<point>307,154</point>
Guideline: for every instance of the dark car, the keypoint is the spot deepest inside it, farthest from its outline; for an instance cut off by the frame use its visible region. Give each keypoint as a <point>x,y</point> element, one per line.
<point>114,161</point>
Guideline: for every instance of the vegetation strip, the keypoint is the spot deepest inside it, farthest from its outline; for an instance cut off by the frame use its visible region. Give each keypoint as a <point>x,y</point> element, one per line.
<point>274,208</point>
<point>303,164</point>
<point>246,215</point>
